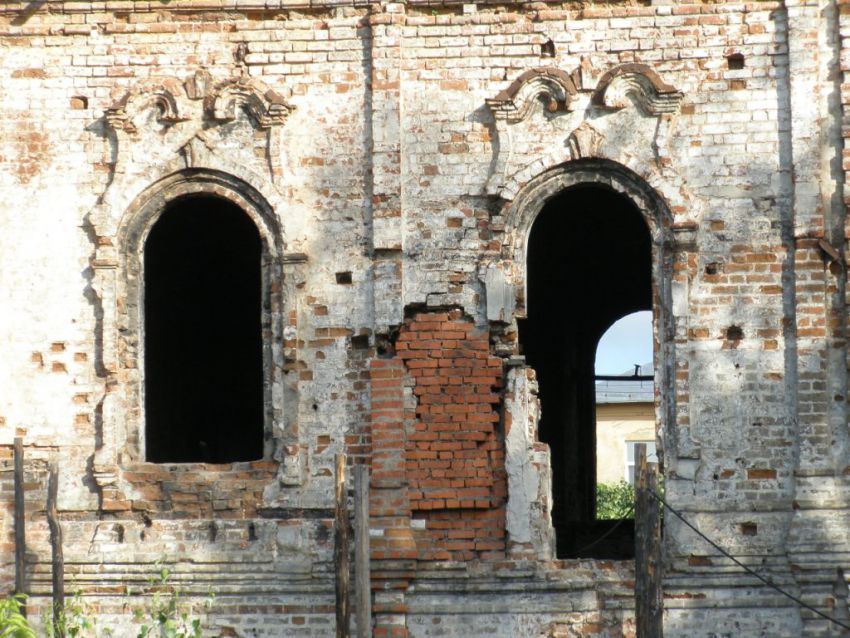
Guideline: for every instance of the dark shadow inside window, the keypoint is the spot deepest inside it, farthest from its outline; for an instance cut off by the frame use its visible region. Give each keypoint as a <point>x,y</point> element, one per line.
<point>589,264</point>
<point>202,333</point>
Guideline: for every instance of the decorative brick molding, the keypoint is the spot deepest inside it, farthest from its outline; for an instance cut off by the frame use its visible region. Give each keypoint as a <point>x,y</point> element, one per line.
<point>552,85</point>
<point>640,82</point>
<point>185,118</point>
<point>626,116</point>
<point>163,97</point>
<point>267,107</point>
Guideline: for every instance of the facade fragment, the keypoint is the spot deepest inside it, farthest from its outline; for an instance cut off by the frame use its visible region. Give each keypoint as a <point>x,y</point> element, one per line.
<point>395,159</point>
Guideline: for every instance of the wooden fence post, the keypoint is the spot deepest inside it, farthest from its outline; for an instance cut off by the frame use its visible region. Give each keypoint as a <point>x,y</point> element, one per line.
<point>649,606</point>
<point>341,562</point>
<point>20,520</point>
<point>56,547</point>
<point>363,584</point>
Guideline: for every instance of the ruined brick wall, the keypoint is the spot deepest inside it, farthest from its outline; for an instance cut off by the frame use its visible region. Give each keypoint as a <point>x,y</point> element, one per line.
<point>394,157</point>
<point>454,456</point>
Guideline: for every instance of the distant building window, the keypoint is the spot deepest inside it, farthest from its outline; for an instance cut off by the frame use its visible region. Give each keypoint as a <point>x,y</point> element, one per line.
<point>631,457</point>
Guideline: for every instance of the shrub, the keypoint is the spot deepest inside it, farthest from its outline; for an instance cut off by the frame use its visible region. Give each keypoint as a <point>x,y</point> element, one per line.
<point>76,620</point>
<point>13,624</point>
<point>163,616</point>
<point>615,500</point>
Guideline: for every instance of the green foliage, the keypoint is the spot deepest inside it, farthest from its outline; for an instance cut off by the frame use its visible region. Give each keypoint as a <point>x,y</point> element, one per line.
<point>163,616</point>
<point>615,500</point>
<point>13,624</point>
<point>76,620</point>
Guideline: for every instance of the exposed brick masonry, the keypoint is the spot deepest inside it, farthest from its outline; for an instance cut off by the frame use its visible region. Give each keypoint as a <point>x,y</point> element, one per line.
<point>454,453</point>
<point>453,460</point>
<point>454,456</point>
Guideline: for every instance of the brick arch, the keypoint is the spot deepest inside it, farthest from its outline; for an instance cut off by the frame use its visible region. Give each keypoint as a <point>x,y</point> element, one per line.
<point>194,168</point>
<point>521,213</point>
<point>530,199</point>
<point>586,146</point>
<point>143,212</point>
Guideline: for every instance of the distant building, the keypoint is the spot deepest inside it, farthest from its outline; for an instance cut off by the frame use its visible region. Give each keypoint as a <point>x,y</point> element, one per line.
<point>625,416</point>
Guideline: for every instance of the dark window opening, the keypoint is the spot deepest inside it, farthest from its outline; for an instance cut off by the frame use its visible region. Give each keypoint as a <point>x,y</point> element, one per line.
<point>589,264</point>
<point>735,61</point>
<point>202,334</point>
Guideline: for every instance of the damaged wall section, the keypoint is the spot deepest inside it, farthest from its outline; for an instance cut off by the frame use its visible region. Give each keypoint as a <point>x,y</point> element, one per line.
<point>454,450</point>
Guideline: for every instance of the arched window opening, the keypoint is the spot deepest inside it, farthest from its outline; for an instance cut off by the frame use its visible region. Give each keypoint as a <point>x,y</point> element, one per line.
<point>203,360</point>
<point>589,263</point>
<point>628,342</point>
<point>625,411</point>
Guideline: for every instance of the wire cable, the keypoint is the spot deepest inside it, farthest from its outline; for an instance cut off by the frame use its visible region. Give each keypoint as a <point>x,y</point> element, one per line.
<point>766,581</point>
<point>629,515</point>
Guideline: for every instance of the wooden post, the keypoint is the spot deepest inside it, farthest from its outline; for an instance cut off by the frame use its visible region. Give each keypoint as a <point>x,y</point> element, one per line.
<point>363,584</point>
<point>20,516</point>
<point>648,596</point>
<point>56,548</point>
<point>341,552</point>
